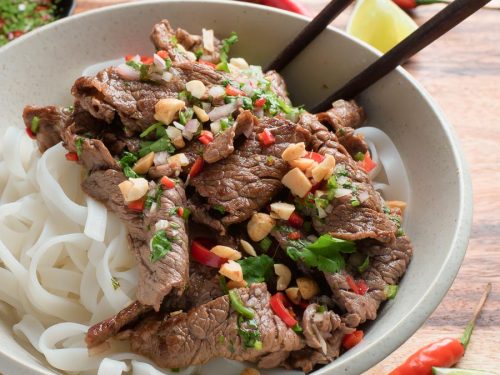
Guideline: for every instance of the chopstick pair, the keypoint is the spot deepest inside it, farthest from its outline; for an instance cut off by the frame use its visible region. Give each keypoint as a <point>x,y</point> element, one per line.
<point>439,24</point>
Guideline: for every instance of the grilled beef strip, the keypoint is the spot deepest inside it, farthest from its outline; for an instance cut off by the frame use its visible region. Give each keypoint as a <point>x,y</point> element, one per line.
<point>160,278</point>
<point>203,287</point>
<point>246,180</point>
<point>344,117</point>
<point>52,121</point>
<point>211,330</point>
<point>177,42</point>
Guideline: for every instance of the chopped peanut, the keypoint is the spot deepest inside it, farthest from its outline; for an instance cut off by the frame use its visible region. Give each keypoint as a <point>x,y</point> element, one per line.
<point>297,182</point>
<point>324,169</point>
<point>232,271</point>
<point>226,252</point>
<point>143,164</point>
<point>308,287</point>
<point>201,114</point>
<point>239,62</point>
<point>302,163</point>
<point>284,276</point>
<point>134,189</point>
<point>294,151</point>
<point>282,210</point>
<point>396,204</point>
<point>178,160</point>
<point>196,88</point>
<point>231,284</point>
<point>248,248</point>
<point>293,294</point>
<point>259,226</point>
<point>166,109</point>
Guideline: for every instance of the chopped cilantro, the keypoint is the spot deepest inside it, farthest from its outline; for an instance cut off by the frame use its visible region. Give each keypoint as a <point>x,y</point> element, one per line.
<point>223,284</point>
<point>160,246</point>
<point>226,123</point>
<point>174,41</point>
<point>115,283</point>
<point>186,115</point>
<point>249,333</point>
<point>297,328</point>
<point>325,253</point>
<point>219,208</point>
<point>168,63</point>
<point>265,244</point>
<point>198,53</point>
<point>185,213</point>
<point>158,126</point>
<point>247,102</point>
<point>256,269</point>
<point>223,67</point>
<point>162,144</point>
<point>126,162</point>
<point>156,198</point>
<point>174,225</point>
<point>134,65</point>
<point>79,145</point>
<point>355,202</point>
<point>226,46</point>
<point>321,309</point>
<point>391,291</point>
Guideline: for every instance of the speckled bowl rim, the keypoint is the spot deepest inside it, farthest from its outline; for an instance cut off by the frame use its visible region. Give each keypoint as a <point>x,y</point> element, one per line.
<point>369,355</point>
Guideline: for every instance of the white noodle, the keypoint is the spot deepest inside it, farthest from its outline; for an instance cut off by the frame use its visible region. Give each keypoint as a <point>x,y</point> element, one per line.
<point>59,251</point>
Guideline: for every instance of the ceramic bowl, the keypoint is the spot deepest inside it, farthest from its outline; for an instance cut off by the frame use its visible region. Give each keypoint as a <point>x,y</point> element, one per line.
<point>41,68</point>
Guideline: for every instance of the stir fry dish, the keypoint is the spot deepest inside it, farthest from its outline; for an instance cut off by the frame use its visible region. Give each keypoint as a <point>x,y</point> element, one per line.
<point>258,233</point>
<point>17,17</point>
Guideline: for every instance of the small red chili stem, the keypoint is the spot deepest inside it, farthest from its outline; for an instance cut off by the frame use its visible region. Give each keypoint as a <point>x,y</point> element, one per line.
<point>470,326</point>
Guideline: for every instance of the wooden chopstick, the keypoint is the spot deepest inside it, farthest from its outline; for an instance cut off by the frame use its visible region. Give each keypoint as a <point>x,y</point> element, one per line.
<point>309,33</point>
<point>442,22</point>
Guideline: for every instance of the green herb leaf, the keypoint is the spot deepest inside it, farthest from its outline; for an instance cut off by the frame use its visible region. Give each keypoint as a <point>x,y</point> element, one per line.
<point>219,208</point>
<point>364,266</point>
<point>162,144</point>
<point>155,126</point>
<point>79,145</point>
<point>160,246</point>
<point>226,46</point>
<point>126,162</point>
<point>134,65</point>
<point>326,244</point>
<point>391,291</point>
<point>257,269</point>
<point>238,305</point>
<point>35,124</point>
<point>156,198</point>
<point>249,333</point>
<point>359,156</point>
<point>198,53</point>
<point>223,67</point>
<point>265,244</point>
<point>223,284</point>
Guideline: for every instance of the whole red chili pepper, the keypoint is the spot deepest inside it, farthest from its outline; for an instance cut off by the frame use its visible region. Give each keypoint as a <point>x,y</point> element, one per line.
<point>289,5</point>
<point>442,353</point>
<point>411,4</point>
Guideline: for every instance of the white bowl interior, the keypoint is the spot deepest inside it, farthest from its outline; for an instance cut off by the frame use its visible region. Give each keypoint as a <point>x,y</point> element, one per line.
<point>42,67</point>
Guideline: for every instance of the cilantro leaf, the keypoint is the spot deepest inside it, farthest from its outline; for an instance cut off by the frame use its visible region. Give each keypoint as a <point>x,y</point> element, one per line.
<point>79,145</point>
<point>256,269</point>
<point>126,162</point>
<point>226,45</point>
<point>160,246</point>
<point>162,144</point>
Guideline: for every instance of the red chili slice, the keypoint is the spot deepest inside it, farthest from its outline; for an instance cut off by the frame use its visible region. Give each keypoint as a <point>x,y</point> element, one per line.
<point>352,339</point>
<point>318,158</point>
<point>295,220</point>
<point>137,205</point>
<point>282,307</point>
<point>197,167</point>
<point>72,156</point>
<point>30,133</point>
<point>260,102</point>
<point>163,54</point>
<point>367,163</point>
<point>148,60</point>
<point>206,137</point>
<point>359,287</point>
<point>167,182</point>
<point>266,138</point>
<point>233,91</point>
<point>208,63</point>
<point>201,254</point>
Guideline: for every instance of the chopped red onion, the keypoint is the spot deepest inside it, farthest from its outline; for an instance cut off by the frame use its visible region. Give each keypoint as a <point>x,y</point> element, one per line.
<point>216,91</point>
<point>159,62</point>
<point>161,158</point>
<point>127,72</point>
<point>190,129</point>
<point>342,192</point>
<point>222,111</point>
<point>167,76</point>
<point>178,125</point>
<point>363,196</point>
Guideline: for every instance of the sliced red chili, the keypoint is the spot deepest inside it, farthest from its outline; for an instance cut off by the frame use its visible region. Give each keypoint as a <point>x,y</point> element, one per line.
<point>163,54</point>
<point>294,236</point>
<point>129,57</point>
<point>208,63</point>
<point>266,138</point>
<point>352,339</point>
<point>148,60</point>
<point>197,167</point>
<point>233,91</point>
<point>283,308</point>
<point>206,137</point>
<point>201,254</point>
<point>318,158</point>
<point>167,182</point>
<point>30,133</point>
<point>367,163</point>
<point>295,220</point>
<point>71,156</point>
<point>260,102</point>
<point>180,212</point>
<point>137,205</point>
<point>359,287</point>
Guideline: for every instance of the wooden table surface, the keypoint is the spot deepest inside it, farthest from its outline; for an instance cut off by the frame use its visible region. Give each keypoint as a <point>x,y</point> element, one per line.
<point>462,73</point>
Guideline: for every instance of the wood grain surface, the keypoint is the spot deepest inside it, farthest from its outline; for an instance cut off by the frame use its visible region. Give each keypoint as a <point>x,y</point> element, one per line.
<point>462,72</point>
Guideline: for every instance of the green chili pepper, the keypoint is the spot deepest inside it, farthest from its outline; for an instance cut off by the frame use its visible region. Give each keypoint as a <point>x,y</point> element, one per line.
<point>239,307</point>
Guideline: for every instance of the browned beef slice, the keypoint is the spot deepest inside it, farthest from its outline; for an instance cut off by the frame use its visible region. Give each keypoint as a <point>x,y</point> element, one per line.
<point>203,287</point>
<point>201,215</point>
<point>210,331</point>
<point>246,180</point>
<point>51,123</point>
<point>223,144</point>
<point>156,279</point>
<point>388,263</point>
<point>345,220</point>
<point>102,331</point>
<point>323,332</point>
<point>163,34</point>
<point>92,153</point>
<point>344,117</point>
<point>108,94</point>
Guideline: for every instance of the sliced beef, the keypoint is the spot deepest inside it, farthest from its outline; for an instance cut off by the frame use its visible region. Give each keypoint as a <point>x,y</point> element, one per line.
<point>246,180</point>
<point>388,263</point>
<point>323,332</point>
<point>200,213</point>
<point>51,123</point>
<point>107,94</point>
<point>223,144</point>
<point>156,279</point>
<point>344,117</point>
<point>177,42</point>
<point>211,330</point>
<point>102,331</point>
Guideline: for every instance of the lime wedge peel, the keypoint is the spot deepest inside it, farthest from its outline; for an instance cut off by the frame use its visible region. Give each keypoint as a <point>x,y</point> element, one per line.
<point>380,23</point>
<point>458,371</point>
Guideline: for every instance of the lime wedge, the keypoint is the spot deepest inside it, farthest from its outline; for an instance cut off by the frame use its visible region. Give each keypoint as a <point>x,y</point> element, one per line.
<point>457,371</point>
<point>380,23</point>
